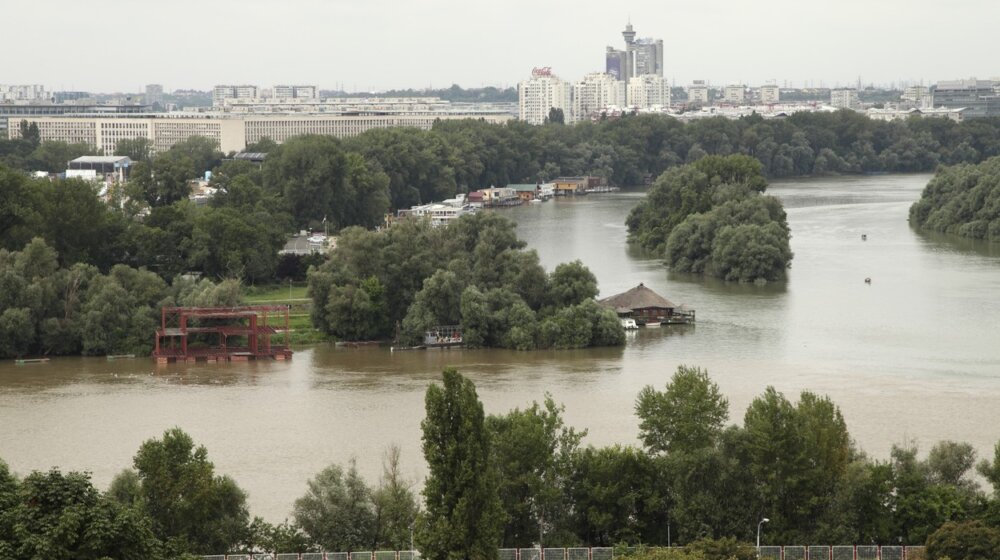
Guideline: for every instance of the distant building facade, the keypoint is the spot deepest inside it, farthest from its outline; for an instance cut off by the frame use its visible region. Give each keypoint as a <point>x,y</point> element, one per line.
<point>541,93</point>
<point>295,92</point>
<point>845,98</point>
<point>616,63</point>
<point>735,93</point>
<point>698,92</point>
<point>595,92</point>
<point>223,92</point>
<point>770,93</point>
<point>647,91</point>
<point>154,94</point>
<point>640,57</point>
<point>980,97</point>
<point>29,92</point>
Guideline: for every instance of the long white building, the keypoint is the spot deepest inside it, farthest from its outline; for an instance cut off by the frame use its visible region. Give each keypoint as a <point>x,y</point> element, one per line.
<point>231,131</point>
<point>541,93</point>
<point>595,92</point>
<point>648,90</point>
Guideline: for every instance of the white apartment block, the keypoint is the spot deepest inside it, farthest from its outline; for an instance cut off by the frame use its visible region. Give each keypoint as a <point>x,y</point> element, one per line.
<point>232,132</point>
<point>698,92</point>
<point>544,91</point>
<point>735,93</point>
<point>295,92</point>
<point>770,93</point>
<point>648,90</point>
<point>31,92</point>
<point>596,92</point>
<point>846,98</point>
<point>222,92</point>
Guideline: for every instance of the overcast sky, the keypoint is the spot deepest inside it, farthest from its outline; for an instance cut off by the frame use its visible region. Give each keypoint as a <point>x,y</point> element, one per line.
<point>365,45</point>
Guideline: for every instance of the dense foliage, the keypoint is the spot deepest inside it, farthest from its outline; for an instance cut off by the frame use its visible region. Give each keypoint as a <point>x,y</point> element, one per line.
<point>962,199</point>
<point>523,478</point>
<point>463,517</point>
<point>475,273</point>
<point>50,309</point>
<point>710,217</point>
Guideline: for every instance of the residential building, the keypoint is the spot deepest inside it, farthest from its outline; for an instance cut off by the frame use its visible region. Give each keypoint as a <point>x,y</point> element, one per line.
<point>30,92</point>
<point>698,92</point>
<point>770,93</point>
<point>596,92</point>
<point>543,92</point>
<point>648,90</point>
<point>154,94</point>
<point>978,96</point>
<point>500,196</point>
<point>223,92</point>
<point>735,94</point>
<point>615,63</point>
<point>845,98</point>
<point>295,92</point>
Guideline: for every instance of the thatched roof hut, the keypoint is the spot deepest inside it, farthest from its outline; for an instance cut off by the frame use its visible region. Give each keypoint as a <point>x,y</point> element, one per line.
<point>639,297</point>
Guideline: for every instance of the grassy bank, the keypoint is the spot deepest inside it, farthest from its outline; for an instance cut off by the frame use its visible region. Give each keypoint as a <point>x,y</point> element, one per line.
<point>296,297</point>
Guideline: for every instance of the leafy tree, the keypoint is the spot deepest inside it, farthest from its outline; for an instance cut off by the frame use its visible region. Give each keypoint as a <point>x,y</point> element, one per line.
<point>556,116</point>
<point>56,515</point>
<point>464,516</point>
<point>337,512</point>
<point>396,507</point>
<point>687,416</point>
<point>969,540</point>
<point>192,509</point>
<point>534,452</point>
<point>136,149</point>
<point>570,284</point>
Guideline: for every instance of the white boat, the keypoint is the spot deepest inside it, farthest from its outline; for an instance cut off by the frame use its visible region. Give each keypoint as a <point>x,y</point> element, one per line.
<point>629,324</point>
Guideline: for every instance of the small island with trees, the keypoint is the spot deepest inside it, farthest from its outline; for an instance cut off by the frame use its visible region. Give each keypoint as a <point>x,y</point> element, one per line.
<point>411,278</point>
<point>710,217</point>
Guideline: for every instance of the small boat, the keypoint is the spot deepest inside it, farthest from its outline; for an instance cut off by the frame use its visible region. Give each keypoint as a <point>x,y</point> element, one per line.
<point>629,324</point>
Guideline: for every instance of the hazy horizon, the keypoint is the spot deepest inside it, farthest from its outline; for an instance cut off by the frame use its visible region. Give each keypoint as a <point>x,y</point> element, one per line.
<point>377,45</point>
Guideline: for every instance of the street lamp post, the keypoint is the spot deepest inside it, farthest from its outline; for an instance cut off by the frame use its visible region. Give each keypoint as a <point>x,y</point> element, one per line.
<point>762,521</point>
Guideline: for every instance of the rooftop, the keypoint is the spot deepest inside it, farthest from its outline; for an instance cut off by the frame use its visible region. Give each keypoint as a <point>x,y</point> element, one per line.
<point>639,297</point>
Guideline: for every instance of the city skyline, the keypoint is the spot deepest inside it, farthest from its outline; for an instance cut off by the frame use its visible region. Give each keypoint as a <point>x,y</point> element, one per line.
<point>381,45</point>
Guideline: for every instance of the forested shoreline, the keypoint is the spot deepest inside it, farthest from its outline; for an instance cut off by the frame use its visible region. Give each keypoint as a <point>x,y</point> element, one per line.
<point>324,183</point>
<point>524,478</point>
<point>963,200</point>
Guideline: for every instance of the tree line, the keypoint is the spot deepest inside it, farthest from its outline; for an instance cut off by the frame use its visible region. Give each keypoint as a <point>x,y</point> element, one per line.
<point>963,200</point>
<point>475,274</point>
<point>711,217</point>
<point>524,478</point>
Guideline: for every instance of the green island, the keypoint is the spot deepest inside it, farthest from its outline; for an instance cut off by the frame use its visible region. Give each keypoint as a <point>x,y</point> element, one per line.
<point>152,228</point>
<point>711,217</point>
<point>963,200</point>
<point>474,275</point>
<point>523,478</point>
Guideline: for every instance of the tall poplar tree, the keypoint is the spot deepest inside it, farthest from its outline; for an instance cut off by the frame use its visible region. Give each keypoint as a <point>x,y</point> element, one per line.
<point>464,517</point>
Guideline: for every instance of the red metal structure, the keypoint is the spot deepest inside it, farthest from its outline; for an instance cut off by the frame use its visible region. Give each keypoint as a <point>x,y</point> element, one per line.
<point>221,334</point>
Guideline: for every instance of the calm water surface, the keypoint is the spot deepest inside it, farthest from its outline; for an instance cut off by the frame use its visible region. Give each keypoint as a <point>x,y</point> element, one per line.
<point>913,356</point>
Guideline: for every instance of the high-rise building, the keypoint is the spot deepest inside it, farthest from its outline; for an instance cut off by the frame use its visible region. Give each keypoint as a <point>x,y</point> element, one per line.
<point>844,98</point>
<point>595,92</point>
<point>647,91</point>
<point>541,93</point>
<point>770,93</point>
<point>698,92</point>
<point>154,94</point>
<point>640,57</point>
<point>978,96</point>
<point>735,93</point>
<point>615,63</point>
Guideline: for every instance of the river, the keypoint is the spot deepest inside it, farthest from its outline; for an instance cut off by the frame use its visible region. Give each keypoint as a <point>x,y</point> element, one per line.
<point>913,356</point>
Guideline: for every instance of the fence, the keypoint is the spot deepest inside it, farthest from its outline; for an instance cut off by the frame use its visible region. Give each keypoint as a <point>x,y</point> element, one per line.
<point>790,552</point>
